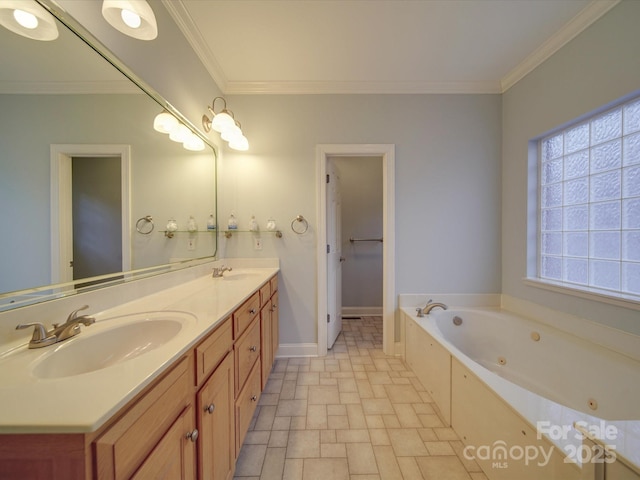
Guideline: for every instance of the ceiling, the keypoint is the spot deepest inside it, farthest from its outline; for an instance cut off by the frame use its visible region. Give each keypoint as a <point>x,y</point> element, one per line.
<point>378,46</point>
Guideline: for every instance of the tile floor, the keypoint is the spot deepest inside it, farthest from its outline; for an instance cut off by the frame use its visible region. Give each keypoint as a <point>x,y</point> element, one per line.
<point>353,415</point>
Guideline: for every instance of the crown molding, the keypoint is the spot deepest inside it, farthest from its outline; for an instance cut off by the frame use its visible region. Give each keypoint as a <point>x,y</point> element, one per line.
<point>318,88</point>
<point>586,17</point>
<point>185,23</point>
<point>61,88</point>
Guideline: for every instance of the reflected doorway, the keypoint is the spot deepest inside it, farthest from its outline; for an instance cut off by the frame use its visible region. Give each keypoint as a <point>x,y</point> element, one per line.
<point>91,175</point>
<point>96,212</point>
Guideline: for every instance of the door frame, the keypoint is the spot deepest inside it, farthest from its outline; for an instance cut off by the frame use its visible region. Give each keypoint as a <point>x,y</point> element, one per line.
<point>61,216</point>
<point>387,152</point>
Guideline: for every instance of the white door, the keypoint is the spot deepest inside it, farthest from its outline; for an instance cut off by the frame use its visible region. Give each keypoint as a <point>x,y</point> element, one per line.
<point>334,255</point>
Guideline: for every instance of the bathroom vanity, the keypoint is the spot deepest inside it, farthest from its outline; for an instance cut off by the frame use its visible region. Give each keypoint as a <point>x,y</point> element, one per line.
<point>179,411</point>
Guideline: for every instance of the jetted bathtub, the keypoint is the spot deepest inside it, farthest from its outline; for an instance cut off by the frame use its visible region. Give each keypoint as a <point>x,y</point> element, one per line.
<point>516,389</point>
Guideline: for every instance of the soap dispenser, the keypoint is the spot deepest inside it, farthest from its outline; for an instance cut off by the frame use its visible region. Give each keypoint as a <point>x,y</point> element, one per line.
<point>211,223</point>
<point>233,223</point>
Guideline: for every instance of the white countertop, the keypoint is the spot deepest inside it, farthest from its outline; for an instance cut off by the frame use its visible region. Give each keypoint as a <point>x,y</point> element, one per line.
<point>82,403</point>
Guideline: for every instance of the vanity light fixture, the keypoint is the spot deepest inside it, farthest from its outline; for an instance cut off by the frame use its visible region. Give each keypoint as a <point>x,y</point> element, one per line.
<point>224,123</point>
<point>29,19</point>
<point>131,17</point>
<point>164,122</point>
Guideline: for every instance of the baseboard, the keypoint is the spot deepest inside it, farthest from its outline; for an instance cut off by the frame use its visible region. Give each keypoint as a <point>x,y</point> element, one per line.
<point>361,311</point>
<point>287,350</point>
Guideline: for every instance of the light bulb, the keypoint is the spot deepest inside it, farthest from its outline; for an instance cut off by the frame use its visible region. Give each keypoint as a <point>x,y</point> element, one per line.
<point>164,122</point>
<point>25,19</point>
<point>131,19</point>
<point>230,133</point>
<point>179,133</point>
<point>239,143</point>
<point>222,121</point>
<point>193,143</point>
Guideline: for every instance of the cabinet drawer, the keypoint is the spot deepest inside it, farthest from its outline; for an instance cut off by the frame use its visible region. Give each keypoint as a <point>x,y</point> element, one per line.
<point>119,451</point>
<point>265,293</point>
<point>212,350</point>
<point>247,351</point>
<point>274,284</point>
<point>244,314</point>
<point>246,404</point>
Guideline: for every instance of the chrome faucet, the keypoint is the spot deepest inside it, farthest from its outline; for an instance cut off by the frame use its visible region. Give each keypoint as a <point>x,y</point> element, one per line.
<point>218,271</point>
<point>42,338</point>
<point>428,307</point>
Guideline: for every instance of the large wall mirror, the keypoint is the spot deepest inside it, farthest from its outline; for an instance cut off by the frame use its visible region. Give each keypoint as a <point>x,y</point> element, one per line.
<point>84,176</point>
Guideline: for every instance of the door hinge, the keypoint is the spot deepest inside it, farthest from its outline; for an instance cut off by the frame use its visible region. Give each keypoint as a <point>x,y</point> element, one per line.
<point>327,178</point>
<point>328,248</point>
<point>328,318</point>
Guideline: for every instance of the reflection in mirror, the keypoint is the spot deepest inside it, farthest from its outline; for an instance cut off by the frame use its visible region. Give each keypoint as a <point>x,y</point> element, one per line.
<point>81,164</point>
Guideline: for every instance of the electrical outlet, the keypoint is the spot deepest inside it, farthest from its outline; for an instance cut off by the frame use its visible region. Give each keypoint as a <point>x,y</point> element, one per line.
<point>191,244</point>
<point>257,243</point>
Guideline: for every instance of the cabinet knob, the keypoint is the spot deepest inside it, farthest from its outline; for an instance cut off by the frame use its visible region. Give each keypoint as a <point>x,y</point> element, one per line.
<point>253,348</point>
<point>252,311</point>
<point>254,398</point>
<point>210,408</point>
<point>273,308</point>
<point>193,436</point>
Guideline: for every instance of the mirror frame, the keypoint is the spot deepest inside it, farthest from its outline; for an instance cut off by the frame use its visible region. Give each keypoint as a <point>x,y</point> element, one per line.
<point>55,291</point>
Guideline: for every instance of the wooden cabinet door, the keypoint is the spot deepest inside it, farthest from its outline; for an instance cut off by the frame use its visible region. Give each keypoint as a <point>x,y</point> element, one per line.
<point>275,327</point>
<point>174,456</point>
<point>266,354</point>
<point>216,445</point>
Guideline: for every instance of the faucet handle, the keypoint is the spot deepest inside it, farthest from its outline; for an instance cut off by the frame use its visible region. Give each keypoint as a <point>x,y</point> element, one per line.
<point>40,337</point>
<point>39,333</point>
<point>73,315</point>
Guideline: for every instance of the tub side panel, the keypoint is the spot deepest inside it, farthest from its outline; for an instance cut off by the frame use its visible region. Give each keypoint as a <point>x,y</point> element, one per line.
<point>490,429</point>
<point>432,365</point>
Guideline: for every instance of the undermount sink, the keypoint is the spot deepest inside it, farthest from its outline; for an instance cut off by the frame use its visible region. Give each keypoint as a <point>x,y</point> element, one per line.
<point>238,275</point>
<point>134,335</point>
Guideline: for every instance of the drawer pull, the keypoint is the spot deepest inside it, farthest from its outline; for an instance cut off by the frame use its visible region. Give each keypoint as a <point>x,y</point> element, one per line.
<point>273,308</point>
<point>210,408</point>
<point>254,398</point>
<point>193,436</point>
<point>252,311</point>
<point>253,348</point>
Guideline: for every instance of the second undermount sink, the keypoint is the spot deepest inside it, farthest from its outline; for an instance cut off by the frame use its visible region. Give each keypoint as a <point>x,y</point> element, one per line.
<point>239,275</point>
<point>121,339</point>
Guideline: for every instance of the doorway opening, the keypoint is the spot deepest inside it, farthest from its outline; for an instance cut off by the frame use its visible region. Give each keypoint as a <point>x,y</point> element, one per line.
<point>328,263</point>
<point>90,211</point>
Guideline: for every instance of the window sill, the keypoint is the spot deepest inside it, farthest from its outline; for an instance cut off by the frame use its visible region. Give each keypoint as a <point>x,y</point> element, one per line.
<point>626,301</point>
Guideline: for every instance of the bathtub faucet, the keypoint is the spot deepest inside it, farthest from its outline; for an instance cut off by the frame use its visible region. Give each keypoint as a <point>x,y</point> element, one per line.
<point>428,307</point>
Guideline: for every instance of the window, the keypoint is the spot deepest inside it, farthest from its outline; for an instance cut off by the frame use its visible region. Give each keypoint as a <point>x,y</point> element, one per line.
<point>589,203</point>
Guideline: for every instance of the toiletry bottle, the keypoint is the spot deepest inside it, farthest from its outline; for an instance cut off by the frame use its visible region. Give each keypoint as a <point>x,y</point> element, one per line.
<point>233,223</point>
<point>192,226</point>
<point>211,223</point>
<point>271,224</point>
<point>253,225</point>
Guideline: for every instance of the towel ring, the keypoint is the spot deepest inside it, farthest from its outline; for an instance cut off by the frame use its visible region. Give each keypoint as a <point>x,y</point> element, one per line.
<point>301,223</point>
<point>142,225</point>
